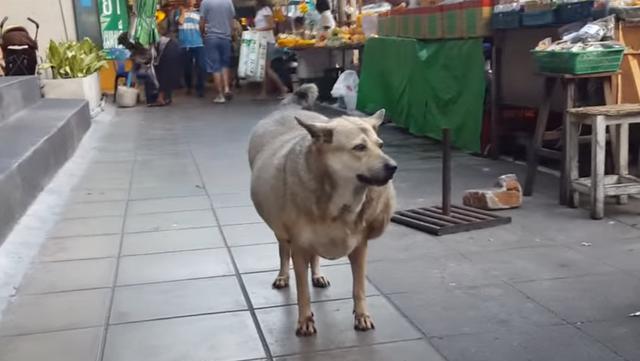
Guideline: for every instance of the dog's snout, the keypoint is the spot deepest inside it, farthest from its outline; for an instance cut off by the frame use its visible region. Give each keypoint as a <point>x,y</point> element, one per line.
<point>390,168</point>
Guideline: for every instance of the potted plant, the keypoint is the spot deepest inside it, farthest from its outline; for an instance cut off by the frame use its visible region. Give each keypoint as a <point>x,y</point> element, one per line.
<point>74,71</point>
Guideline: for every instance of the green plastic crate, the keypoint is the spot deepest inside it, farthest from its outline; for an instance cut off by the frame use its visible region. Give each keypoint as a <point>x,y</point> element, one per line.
<point>578,62</point>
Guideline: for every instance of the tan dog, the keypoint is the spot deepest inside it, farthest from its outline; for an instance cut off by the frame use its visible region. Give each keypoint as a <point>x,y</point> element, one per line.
<point>324,187</point>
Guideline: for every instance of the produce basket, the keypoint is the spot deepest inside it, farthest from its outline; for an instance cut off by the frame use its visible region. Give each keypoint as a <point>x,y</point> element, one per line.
<point>571,12</point>
<point>578,62</point>
<point>505,20</point>
<point>538,18</point>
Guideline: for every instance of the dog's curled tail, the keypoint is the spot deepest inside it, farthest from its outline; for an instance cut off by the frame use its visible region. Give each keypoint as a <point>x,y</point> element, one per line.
<point>305,96</point>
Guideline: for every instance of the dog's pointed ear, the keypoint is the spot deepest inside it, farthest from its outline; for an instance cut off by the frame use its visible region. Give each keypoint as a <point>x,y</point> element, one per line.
<point>319,132</point>
<point>376,119</point>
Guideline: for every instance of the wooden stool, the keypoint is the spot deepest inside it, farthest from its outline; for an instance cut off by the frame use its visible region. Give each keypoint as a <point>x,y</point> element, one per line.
<point>599,185</point>
<point>536,150</point>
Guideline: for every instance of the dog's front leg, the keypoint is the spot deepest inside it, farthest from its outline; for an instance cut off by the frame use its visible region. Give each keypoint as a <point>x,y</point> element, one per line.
<point>317,279</point>
<point>358,259</point>
<point>306,324</point>
<point>282,280</point>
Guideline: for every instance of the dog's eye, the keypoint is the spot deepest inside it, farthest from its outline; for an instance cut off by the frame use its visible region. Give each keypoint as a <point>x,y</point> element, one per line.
<point>360,147</point>
<point>380,145</point>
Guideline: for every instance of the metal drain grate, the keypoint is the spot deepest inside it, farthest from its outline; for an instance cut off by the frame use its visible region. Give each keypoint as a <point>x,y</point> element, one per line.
<point>460,219</point>
<point>447,219</point>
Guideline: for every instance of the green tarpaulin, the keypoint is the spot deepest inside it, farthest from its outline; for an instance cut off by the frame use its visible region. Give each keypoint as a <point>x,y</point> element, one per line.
<point>426,86</point>
<point>146,30</point>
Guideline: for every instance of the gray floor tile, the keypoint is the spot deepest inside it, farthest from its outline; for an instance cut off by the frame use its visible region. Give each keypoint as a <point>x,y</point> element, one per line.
<point>55,312</point>
<point>399,242</point>
<point>69,275</point>
<point>602,297</point>
<point>169,221</point>
<point>556,343</point>
<point>175,204</point>
<point>408,275</point>
<point>70,248</point>
<point>174,266</point>
<point>263,295</point>
<point>179,298</point>
<point>83,194</point>
<point>238,215</point>
<point>171,241</point>
<point>621,335</point>
<point>87,227</point>
<point>265,257</point>
<point>537,263</point>
<point>232,200</point>
<point>622,254</point>
<point>418,350</point>
<point>334,321</point>
<point>220,337</point>
<point>442,311</point>
<point>95,209</point>
<point>73,345</point>
<point>248,234</point>
<point>164,191</point>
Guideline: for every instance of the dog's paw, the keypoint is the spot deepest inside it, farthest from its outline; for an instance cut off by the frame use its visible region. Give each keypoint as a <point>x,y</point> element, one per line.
<point>306,327</point>
<point>281,282</point>
<point>363,322</point>
<point>320,282</point>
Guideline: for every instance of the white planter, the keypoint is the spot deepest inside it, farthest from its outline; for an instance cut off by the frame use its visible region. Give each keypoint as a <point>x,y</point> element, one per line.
<point>75,88</point>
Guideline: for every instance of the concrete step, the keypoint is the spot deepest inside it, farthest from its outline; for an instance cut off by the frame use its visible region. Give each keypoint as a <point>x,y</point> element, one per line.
<point>17,93</point>
<point>34,144</point>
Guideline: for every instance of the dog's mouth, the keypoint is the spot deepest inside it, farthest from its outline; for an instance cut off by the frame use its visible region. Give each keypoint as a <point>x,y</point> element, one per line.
<point>377,182</point>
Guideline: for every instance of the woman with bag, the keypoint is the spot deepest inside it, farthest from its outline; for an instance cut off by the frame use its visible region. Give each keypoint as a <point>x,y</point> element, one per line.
<point>264,23</point>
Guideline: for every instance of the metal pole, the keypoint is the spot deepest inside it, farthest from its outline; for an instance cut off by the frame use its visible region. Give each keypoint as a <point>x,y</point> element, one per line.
<point>446,172</point>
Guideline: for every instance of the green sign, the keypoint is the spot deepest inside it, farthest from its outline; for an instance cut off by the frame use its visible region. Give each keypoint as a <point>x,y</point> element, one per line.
<point>114,20</point>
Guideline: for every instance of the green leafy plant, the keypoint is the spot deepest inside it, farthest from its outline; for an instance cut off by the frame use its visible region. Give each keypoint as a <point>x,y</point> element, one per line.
<point>72,59</point>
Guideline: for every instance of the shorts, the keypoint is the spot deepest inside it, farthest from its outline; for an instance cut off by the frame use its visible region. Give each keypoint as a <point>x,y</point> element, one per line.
<point>217,54</point>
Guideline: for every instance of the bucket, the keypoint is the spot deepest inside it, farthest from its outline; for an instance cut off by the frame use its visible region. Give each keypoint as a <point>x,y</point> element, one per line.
<point>126,97</point>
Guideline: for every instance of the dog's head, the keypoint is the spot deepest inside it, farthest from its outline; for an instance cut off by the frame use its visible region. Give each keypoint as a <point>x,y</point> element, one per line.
<point>351,148</point>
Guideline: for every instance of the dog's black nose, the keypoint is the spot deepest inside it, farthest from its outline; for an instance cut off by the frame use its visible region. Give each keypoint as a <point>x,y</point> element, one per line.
<point>390,169</point>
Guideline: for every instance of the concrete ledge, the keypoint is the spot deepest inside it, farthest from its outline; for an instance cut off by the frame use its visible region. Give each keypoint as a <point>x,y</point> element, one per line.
<point>34,145</point>
<point>18,93</point>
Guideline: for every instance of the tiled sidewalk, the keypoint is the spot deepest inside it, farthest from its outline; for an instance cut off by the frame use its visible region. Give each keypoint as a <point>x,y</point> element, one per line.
<point>151,261</point>
<point>158,255</point>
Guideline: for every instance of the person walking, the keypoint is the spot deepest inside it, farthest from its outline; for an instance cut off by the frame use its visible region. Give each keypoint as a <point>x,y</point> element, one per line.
<point>264,23</point>
<point>190,39</point>
<point>216,17</point>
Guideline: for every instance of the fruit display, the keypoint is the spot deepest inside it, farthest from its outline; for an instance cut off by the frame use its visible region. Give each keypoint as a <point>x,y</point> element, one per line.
<point>336,37</point>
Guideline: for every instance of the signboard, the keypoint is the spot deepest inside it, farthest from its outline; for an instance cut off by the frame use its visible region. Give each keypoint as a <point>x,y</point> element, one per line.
<point>114,20</point>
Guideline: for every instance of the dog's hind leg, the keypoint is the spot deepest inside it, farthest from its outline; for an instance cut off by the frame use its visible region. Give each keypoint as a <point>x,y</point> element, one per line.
<point>282,281</point>
<point>306,323</point>
<point>317,279</point>
<point>358,259</point>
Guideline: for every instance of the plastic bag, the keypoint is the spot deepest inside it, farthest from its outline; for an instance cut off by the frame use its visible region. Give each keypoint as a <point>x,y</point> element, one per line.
<point>346,87</point>
<point>253,55</point>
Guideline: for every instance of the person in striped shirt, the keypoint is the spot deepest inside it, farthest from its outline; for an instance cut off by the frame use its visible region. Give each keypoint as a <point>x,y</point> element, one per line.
<point>190,39</point>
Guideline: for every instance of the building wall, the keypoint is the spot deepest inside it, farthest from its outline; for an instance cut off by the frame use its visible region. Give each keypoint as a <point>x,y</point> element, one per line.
<point>47,12</point>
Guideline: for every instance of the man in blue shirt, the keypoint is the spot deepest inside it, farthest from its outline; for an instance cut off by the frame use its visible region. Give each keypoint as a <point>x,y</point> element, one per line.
<point>216,24</point>
<point>190,40</point>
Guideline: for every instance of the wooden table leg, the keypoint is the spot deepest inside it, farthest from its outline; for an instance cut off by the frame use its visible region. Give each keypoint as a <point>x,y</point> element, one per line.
<point>570,93</point>
<point>622,156</point>
<point>536,142</point>
<point>571,136</point>
<point>598,145</point>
